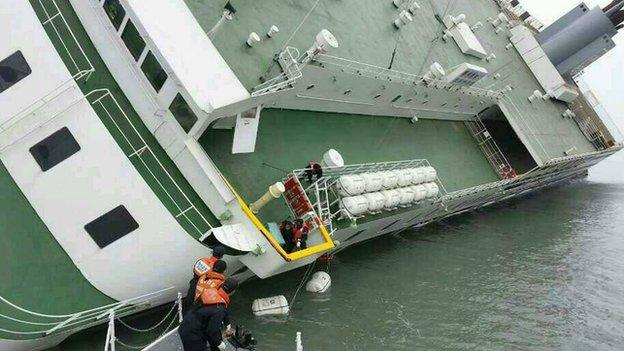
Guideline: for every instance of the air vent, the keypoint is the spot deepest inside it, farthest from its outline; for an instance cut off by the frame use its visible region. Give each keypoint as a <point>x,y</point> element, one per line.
<point>466,74</point>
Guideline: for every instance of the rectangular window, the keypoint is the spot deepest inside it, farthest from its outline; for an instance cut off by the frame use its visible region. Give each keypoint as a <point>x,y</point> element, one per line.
<point>54,149</point>
<point>111,226</point>
<point>13,69</point>
<point>153,71</point>
<point>183,113</point>
<point>115,12</point>
<point>133,40</point>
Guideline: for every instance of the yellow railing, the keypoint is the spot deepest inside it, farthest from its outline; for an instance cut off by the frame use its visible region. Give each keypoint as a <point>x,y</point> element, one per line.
<point>297,255</point>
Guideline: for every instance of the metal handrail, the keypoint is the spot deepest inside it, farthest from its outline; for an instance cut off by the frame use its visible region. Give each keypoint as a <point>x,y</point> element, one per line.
<point>286,80</point>
<point>82,319</point>
<point>138,151</point>
<point>376,72</point>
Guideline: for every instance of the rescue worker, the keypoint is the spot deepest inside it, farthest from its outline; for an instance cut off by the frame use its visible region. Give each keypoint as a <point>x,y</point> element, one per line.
<point>202,266</point>
<point>314,169</point>
<point>202,325</point>
<point>300,234</point>
<point>286,229</point>
<point>214,278</point>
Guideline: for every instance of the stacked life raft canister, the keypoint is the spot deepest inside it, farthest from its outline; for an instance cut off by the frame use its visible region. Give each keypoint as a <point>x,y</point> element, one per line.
<point>386,190</point>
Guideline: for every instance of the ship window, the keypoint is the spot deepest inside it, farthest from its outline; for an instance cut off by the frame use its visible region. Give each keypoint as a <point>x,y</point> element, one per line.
<point>111,226</point>
<point>115,12</point>
<point>13,69</point>
<point>154,71</point>
<point>133,40</point>
<point>183,113</point>
<point>55,149</point>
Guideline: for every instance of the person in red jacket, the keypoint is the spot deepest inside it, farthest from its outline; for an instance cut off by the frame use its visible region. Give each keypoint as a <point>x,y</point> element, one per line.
<point>314,169</point>
<point>300,235</point>
<point>214,278</point>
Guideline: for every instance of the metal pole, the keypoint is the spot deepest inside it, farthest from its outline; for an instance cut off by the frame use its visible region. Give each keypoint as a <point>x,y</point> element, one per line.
<point>179,302</point>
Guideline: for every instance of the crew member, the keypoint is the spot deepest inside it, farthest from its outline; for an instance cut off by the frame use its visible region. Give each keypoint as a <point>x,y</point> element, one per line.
<point>286,229</point>
<point>214,278</point>
<point>202,324</point>
<point>202,266</point>
<point>300,234</point>
<point>314,169</point>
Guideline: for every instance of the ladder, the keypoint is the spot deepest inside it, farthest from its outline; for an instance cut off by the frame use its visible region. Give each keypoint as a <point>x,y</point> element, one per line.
<point>321,190</point>
<point>491,150</point>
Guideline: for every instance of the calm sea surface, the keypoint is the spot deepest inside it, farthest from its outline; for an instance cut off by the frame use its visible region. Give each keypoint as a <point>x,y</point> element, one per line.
<point>545,272</point>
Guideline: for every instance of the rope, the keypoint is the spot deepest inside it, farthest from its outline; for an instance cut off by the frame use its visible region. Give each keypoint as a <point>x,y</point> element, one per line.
<point>300,25</point>
<point>140,347</point>
<point>139,330</point>
<point>305,277</point>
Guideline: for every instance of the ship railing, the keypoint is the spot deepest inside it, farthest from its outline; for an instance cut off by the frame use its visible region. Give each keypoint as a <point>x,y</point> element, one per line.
<point>67,323</point>
<point>140,150</point>
<point>322,191</point>
<point>288,58</point>
<point>389,75</point>
<point>79,65</point>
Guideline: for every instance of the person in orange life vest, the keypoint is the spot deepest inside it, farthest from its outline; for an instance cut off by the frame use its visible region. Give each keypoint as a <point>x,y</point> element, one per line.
<point>314,169</point>
<point>300,234</point>
<point>214,278</point>
<point>202,266</point>
<point>203,323</point>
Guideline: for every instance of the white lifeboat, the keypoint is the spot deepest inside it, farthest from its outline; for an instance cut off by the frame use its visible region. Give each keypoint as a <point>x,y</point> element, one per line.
<point>392,197</point>
<point>390,179</point>
<point>432,190</point>
<point>407,196</point>
<point>354,205</point>
<point>350,185</point>
<point>373,182</point>
<point>404,177</point>
<point>420,192</point>
<point>430,174</point>
<point>418,175</point>
<point>376,201</point>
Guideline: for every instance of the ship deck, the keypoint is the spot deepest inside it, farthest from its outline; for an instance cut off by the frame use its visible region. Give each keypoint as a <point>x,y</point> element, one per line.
<point>288,140</point>
<point>365,32</point>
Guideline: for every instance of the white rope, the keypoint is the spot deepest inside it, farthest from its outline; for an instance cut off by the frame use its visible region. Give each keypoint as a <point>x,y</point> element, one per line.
<point>305,277</point>
<point>140,347</point>
<point>305,18</point>
<point>139,330</point>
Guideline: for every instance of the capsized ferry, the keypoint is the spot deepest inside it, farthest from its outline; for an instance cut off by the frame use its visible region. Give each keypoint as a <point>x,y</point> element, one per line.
<point>135,135</point>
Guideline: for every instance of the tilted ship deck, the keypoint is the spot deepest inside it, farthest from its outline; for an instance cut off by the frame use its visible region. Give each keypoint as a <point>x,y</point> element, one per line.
<point>135,134</point>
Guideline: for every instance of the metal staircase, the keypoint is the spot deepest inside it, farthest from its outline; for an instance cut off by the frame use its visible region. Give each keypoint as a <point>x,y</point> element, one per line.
<point>491,150</point>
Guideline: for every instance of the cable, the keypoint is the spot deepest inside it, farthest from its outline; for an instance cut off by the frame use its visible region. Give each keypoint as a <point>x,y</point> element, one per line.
<point>138,330</point>
<point>300,25</point>
<point>305,277</point>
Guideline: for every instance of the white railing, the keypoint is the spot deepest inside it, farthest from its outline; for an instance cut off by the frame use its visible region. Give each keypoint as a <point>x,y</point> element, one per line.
<point>67,323</point>
<point>81,66</point>
<point>289,60</point>
<point>103,99</point>
<point>376,72</point>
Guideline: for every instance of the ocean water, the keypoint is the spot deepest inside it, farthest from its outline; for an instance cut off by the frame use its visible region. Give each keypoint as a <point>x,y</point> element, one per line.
<point>544,272</point>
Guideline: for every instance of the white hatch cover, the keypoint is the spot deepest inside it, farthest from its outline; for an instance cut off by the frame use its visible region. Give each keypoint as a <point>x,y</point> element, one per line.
<point>234,236</point>
<point>246,131</point>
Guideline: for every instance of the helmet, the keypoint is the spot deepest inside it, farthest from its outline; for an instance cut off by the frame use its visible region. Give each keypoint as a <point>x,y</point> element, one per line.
<point>230,285</point>
<point>219,266</point>
<point>218,251</point>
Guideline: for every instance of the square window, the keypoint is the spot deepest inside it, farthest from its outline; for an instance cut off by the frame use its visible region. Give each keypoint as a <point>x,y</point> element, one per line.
<point>183,113</point>
<point>115,12</point>
<point>111,226</point>
<point>13,69</point>
<point>153,71</point>
<point>55,149</point>
<point>133,40</point>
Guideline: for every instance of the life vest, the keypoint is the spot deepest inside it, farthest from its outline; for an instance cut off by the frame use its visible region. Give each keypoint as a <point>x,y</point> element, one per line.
<point>204,265</point>
<point>215,296</point>
<point>210,280</point>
